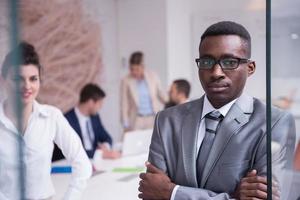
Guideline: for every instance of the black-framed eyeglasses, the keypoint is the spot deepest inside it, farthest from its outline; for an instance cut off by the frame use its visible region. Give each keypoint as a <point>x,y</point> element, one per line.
<point>225,63</point>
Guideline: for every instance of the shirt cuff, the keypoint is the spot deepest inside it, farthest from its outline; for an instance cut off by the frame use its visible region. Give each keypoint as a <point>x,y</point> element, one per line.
<point>174,192</point>
<point>106,145</point>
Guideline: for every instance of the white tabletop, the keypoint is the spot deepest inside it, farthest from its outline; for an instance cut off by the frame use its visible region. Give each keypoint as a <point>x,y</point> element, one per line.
<point>111,184</point>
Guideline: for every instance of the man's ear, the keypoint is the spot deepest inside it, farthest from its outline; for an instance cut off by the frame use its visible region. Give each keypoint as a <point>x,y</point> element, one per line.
<point>251,68</point>
<point>91,102</point>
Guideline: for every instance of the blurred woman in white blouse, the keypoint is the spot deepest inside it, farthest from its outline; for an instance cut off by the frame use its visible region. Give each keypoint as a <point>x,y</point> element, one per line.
<point>42,126</point>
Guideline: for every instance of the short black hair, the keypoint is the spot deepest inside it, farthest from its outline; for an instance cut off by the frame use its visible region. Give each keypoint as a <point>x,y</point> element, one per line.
<point>183,86</point>
<point>229,28</point>
<point>136,58</point>
<point>91,91</point>
<point>28,56</point>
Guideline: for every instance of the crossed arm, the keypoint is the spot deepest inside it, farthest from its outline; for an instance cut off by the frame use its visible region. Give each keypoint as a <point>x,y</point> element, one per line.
<point>155,184</point>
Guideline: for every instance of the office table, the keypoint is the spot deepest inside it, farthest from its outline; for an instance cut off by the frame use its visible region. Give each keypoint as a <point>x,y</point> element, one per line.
<point>119,179</point>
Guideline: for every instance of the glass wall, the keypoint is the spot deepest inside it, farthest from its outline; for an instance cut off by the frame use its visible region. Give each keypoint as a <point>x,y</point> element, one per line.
<point>285,78</point>
<point>284,116</point>
<point>12,166</point>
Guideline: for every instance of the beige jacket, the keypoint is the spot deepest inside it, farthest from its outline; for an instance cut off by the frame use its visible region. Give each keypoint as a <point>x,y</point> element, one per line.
<point>129,97</point>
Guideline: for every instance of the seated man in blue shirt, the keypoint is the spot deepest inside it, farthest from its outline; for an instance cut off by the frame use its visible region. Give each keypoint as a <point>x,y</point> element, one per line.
<point>85,120</point>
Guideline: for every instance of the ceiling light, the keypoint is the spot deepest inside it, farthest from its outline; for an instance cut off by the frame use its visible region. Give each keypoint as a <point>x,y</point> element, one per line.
<point>256,5</point>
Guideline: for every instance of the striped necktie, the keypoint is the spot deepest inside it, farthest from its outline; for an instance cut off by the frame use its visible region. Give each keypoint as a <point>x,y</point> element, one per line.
<point>212,121</point>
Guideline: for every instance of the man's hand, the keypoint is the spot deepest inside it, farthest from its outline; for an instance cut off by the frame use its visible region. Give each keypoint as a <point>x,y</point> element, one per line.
<point>111,154</point>
<point>253,187</point>
<point>155,184</point>
<point>107,152</point>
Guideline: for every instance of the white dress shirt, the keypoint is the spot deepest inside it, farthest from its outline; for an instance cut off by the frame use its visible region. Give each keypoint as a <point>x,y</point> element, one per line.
<point>207,108</point>
<point>87,133</point>
<point>46,126</point>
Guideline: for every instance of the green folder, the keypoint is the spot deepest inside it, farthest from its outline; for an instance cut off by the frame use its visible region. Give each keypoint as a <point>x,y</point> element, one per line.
<point>129,169</point>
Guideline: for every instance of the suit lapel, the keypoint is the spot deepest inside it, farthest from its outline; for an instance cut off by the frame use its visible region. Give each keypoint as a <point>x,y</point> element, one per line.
<point>133,89</point>
<point>237,116</point>
<point>189,141</point>
<point>151,88</point>
<point>76,125</point>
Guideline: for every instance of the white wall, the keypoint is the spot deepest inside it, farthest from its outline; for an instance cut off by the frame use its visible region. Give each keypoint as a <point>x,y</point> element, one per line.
<point>105,12</point>
<point>180,62</point>
<point>142,26</point>
<point>162,30</point>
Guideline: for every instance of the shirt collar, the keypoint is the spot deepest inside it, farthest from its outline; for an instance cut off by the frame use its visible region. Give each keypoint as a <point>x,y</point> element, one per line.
<point>3,117</point>
<point>187,100</point>
<point>5,121</point>
<point>208,107</point>
<point>38,109</point>
<point>79,114</point>
<point>141,81</point>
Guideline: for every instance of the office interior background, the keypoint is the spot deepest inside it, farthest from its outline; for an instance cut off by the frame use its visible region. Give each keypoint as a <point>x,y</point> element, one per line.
<point>168,32</point>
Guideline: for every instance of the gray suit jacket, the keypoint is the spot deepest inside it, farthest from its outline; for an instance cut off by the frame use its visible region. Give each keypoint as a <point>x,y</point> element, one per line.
<point>239,146</point>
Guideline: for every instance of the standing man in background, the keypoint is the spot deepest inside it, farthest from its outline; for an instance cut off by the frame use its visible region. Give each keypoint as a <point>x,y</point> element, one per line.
<point>141,95</point>
<point>179,92</point>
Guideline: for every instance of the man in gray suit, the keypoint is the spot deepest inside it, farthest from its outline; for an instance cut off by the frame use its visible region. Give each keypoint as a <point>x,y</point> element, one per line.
<point>215,147</point>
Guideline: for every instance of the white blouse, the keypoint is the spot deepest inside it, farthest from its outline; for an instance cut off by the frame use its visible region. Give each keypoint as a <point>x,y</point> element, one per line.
<point>46,126</point>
